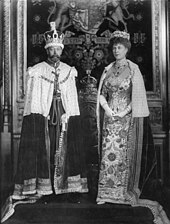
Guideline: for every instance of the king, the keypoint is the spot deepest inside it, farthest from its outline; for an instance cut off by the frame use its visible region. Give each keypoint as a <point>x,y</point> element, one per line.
<point>44,166</point>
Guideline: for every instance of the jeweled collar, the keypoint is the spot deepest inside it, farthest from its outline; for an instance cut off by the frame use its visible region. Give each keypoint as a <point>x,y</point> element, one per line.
<point>121,63</point>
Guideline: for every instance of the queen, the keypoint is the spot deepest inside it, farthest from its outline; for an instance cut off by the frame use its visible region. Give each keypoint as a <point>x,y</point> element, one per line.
<point>126,150</point>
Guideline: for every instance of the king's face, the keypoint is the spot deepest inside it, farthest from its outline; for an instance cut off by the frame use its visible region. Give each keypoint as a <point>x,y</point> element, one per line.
<point>54,53</point>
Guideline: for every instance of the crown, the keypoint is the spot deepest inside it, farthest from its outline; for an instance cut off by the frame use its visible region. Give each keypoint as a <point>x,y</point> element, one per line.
<point>89,81</point>
<point>122,34</point>
<point>53,37</point>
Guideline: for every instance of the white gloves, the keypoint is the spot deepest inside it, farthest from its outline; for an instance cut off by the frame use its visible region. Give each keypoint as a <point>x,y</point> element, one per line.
<point>64,118</point>
<point>110,113</point>
<point>121,114</point>
<point>105,106</point>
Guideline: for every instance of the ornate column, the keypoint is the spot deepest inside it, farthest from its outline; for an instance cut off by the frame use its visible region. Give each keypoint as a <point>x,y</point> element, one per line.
<point>6,127</point>
<point>19,66</point>
<point>157,98</point>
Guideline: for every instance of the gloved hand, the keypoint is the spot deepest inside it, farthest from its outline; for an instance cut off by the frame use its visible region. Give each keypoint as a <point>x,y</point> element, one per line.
<point>124,112</point>
<point>121,114</point>
<point>64,118</point>
<point>109,112</point>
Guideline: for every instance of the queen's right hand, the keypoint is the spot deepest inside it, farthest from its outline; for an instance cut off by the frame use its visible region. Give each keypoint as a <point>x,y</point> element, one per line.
<point>109,112</point>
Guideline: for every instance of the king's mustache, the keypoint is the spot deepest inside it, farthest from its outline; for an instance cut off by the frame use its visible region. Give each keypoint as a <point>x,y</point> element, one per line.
<point>55,56</point>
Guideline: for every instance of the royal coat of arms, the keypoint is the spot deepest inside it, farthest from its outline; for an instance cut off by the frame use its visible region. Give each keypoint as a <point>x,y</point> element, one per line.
<point>86,16</point>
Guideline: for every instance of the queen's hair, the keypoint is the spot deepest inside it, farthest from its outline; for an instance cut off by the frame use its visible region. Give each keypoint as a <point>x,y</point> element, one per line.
<point>119,40</point>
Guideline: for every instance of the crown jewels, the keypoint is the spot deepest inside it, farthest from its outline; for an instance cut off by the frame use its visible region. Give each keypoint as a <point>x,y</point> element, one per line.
<point>89,81</point>
<point>53,37</point>
<point>122,34</point>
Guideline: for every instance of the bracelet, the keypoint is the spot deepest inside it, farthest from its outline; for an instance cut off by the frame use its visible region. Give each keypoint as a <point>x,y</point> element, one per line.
<point>128,109</point>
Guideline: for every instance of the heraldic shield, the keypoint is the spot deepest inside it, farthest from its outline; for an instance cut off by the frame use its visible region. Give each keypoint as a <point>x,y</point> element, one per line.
<point>87,15</point>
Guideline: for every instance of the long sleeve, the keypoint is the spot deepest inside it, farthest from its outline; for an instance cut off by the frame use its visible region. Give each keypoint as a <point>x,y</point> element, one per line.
<point>39,93</point>
<point>72,96</point>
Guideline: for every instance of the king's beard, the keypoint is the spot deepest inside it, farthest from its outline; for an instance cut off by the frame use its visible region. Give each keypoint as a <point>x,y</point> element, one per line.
<point>54,58</point>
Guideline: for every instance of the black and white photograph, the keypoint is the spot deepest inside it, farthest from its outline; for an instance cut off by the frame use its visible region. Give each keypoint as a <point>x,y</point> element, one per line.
<point>85,111</point>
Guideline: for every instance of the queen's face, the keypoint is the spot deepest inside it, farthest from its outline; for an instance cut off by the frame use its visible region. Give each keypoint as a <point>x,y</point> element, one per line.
<point>119,51</point>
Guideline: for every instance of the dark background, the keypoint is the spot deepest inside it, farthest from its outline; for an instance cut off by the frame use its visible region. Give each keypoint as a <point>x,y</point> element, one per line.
<point>141,51</point>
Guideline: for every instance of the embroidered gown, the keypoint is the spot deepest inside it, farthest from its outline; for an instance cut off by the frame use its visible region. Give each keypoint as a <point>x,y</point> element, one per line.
<point>114,170</point>
<point>126,147</point>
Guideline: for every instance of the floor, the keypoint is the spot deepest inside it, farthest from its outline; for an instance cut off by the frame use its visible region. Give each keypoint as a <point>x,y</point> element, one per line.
<point>79,209</point>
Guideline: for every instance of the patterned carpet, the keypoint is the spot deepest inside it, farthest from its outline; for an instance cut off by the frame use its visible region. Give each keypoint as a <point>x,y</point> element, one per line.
<point>78,210</point>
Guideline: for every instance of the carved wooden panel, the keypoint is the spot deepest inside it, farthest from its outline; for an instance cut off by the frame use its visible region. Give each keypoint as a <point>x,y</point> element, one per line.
<point>159,148</point>
<point>156,116</point>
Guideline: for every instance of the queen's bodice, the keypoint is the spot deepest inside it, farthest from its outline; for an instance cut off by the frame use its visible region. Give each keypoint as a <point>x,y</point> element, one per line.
<point>118,90</point>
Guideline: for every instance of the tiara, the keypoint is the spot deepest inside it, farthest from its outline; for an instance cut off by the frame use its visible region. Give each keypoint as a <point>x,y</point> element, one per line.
<point>122,34</point>
<point>53,37</point>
